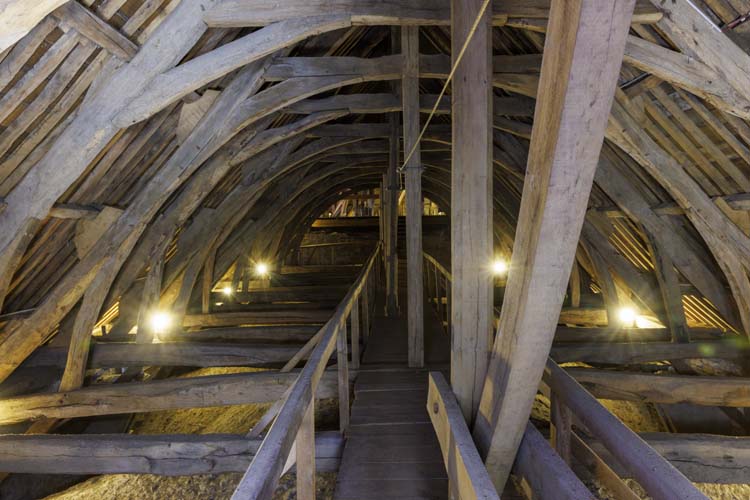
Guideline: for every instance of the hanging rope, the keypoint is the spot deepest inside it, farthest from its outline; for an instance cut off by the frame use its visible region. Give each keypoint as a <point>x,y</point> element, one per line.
<point>460,56</point>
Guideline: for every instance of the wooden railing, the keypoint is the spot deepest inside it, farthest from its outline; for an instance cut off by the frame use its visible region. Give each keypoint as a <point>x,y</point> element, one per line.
<point>438,288</point>
<point>654,473</point>
<point>541,471</point>
<point>295,422</point>
<point>545,470</point>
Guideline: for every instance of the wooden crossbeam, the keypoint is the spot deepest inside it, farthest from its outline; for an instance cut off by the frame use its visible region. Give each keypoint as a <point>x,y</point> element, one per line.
<point>161,455</point>
<point>120,354</point>
<point>667,389</point>
<point>169,394</point>
<point>238,13</point>
<point>76,16</point>
<point>644,352</point>
<point>583,53</point>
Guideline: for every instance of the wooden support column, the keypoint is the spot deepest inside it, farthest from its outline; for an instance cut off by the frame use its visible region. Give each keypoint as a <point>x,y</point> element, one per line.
<point>413,168</point>
<point>208,276</point>
<point>669,285</point>
<point>471,204</point>
<point>391,220</point>
<point>582,57</point>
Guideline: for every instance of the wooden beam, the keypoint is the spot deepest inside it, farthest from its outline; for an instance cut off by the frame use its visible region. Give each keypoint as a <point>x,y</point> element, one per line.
<point>121,354</point>
<point>161,455</point>
<point>174,84</point>
<point>279,317</point>
<point>625,353</point>
<point>239,13</point>
<point>583,53</point>
<point>667,389</point>
<point>88,24</point>
<point>471,204</point>
<point>169,394</point>
<point>92,128</point>
<point>413,170</point>
<point>467,476</point>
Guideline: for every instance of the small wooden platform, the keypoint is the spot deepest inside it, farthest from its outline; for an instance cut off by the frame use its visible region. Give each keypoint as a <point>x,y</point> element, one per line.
<point>391,449</point>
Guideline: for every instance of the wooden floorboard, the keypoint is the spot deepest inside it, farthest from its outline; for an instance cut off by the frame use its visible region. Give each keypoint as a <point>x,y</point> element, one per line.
<point>391,449</point>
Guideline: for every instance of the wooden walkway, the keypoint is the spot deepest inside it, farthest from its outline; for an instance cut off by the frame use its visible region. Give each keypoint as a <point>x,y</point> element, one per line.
<point>391,449</point>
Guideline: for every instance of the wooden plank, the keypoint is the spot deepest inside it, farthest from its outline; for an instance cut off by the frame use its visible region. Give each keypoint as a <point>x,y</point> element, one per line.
<point>667,389</point>
<point>600,470</point>
<point>659,478</point>
<point>170,394</point>
<point>471,204</point>
<point>355,325</point>
<point>583,53</point>
<point>543,473</point>
<point>466,472</point>
<point>162,455</point>
<point>413,169</point>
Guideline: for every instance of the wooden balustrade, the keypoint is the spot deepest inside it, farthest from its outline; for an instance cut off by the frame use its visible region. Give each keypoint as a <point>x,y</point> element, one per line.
<point>654,473</point>
<point>438,288</point>
<point>296,418</point>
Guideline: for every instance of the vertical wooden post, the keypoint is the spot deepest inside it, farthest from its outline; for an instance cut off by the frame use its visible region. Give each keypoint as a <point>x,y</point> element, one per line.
<point>575,285</point>
<point>471,203</point>
<point>583,53</point>
<point>391,250</point>
<point>355,334</point>
<point>208,276</point>
<point>342,360</point>
<point>671,296</point>
<point>305,451</point>
<point>414,207</point>
<point>562,432</point>
<point>365,312</point>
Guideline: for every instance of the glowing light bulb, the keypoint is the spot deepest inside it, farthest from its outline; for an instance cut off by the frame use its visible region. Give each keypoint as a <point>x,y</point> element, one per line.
<point>227,290</point>
<point>627,315</point>
<point>499,267</point>
<point>261,269</point>
<point>160,322</point>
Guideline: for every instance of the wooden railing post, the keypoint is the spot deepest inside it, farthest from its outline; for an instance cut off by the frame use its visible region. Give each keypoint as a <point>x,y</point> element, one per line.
<point>306,455</point>
<point>365,312</point>
<point>343,370</point>
<point>355,334</point>
<point>562,421</point>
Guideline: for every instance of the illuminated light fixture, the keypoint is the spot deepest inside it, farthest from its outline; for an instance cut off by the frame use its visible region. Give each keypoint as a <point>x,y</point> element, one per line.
<point>628,316</point>
<point>227,290</point>
<point>160,322</point>
<point>499,267</point>
<point>261,269</point>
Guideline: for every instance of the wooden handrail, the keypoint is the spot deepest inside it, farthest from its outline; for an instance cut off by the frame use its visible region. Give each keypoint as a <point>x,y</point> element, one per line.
<point>468,478</point>
<point>261,478</point>
<point>658,477</point>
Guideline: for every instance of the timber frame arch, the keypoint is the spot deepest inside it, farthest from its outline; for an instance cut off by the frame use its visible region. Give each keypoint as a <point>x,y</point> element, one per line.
<point>148,147</point>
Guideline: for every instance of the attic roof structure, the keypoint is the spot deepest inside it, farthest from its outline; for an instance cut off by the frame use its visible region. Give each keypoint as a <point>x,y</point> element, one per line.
<point>357,249</point>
